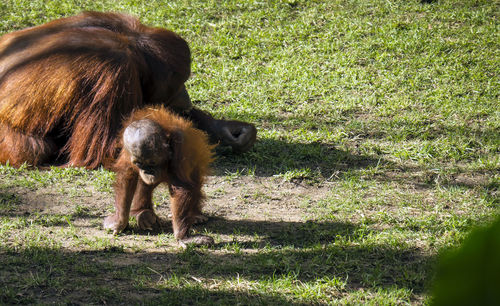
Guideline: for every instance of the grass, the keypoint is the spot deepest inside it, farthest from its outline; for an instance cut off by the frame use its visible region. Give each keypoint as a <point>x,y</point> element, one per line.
<point>378,149</point>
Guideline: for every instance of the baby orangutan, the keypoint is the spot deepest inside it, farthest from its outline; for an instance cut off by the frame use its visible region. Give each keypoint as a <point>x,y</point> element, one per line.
<point>157,147</point>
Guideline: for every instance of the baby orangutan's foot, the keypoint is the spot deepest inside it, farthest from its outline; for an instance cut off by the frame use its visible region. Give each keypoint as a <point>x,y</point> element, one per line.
<point>198,240</point>
<point>147,219</point>
<point>113,223</point>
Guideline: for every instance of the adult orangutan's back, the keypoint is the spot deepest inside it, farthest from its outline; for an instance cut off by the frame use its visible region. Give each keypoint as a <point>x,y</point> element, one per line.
<point>66,86</point>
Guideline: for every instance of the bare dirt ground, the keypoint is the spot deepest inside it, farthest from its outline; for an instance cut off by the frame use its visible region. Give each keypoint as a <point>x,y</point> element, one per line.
<point>231,202</point>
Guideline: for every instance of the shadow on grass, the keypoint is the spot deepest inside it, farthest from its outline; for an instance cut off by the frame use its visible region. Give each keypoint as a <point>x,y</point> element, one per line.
<point>269,157</point>
<point>44,275</point>
<point>275,234</point>
<point>64,280</point>
<point>296,255</point>
<point>280,233</point>
<point>318,161</point>
<point>38,274</point>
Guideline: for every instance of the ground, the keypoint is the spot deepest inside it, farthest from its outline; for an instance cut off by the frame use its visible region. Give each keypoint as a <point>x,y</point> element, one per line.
<point>378,151</point>
<point>277,240</point>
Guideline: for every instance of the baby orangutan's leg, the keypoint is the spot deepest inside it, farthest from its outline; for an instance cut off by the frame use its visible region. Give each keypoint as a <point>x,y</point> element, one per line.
<point>185,208</point>
<point>125,186</point>
<point>142,206</point>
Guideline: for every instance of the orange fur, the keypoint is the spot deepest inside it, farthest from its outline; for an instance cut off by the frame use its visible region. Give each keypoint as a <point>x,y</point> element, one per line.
<point>72,81</point>
<point>34,149</point>
<point>189,158</point>
<point>196,152</point>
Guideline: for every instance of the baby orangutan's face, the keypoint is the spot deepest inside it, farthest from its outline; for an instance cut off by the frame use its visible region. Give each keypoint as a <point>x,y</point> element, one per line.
<point>150,170</point>
<point>149,150</point>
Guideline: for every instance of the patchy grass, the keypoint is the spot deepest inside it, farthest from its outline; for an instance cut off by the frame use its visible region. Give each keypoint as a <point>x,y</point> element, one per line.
<point>378,148</point>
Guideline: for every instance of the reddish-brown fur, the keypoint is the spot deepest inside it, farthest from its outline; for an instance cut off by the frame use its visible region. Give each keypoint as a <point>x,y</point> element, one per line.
<point>185,173</point>
<point>66,86</point>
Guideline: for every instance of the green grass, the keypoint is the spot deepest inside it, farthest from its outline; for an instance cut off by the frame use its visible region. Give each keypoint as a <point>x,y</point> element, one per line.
<point>379,147</point>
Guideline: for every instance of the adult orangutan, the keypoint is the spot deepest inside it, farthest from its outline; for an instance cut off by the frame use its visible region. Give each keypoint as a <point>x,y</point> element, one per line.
<point>66,86</point>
